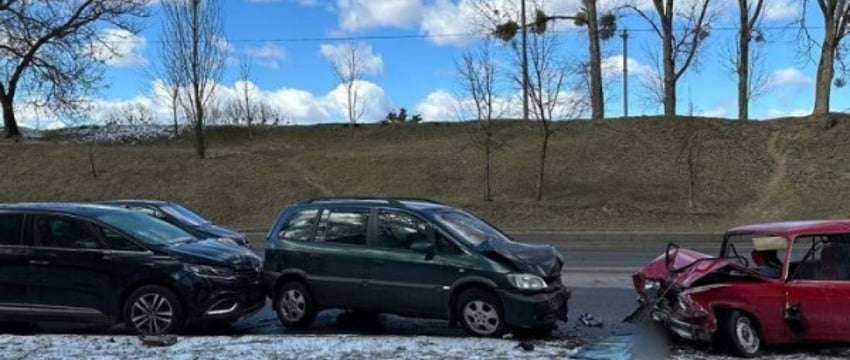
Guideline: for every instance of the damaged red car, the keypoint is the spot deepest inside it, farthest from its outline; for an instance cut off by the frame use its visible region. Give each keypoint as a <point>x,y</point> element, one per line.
<point>771,284</point>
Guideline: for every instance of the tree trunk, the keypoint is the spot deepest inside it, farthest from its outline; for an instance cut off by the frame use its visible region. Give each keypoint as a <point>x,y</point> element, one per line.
<point>544,145</point>
<point>597,100</point>
<point>744,65</point>
<point>10,124</point>
<point>487,151</point>
<point>826,71</point>
<point>91,158</point>
<point>669,80</point>
<point>174,117</point>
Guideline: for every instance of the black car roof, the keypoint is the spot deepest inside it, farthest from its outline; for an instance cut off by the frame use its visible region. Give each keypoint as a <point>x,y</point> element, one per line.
<point>410,203</point>
<point>136,202</point>
<point>79,209</point>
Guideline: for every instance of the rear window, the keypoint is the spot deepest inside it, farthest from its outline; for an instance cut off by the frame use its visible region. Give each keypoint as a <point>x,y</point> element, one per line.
<point>300,226</point>
<point>11,227</point>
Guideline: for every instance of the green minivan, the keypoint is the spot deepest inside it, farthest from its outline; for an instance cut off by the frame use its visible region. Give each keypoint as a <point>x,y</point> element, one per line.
<point>409,257</point>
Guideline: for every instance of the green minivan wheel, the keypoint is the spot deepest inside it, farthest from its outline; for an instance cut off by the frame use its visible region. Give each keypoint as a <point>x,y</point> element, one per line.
<point>480,313</point>
<point>294,305</point>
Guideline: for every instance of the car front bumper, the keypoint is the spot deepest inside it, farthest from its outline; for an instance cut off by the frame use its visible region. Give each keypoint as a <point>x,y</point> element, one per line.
<point>535,310</point>
<point>228,299</point>
<point>680,327</point>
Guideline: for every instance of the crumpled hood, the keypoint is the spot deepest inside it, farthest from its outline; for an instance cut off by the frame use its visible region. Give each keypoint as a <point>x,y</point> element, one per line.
<point>543,260</point>
<point>687,267</point>
<point>214,252</point>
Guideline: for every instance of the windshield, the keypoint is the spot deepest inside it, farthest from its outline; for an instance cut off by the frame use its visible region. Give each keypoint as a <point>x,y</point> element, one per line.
<point>470,228</point>
<point>146,229</point>
<point>184,215</point>
<point>764,254</point>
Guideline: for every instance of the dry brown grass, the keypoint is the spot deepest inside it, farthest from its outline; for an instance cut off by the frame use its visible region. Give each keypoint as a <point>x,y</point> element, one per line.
<point>616,175</point>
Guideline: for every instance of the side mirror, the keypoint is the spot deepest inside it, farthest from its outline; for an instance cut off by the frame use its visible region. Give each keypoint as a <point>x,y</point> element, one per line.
<point>424,247</point>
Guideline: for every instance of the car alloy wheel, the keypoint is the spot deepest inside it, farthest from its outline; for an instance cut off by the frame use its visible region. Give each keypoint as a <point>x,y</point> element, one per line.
<point>293,305</point>
<point>152,314</point>
<point>481,317</point>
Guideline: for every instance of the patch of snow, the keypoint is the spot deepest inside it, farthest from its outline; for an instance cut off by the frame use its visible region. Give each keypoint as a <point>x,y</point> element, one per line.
<point>112,134</point>
<point>275,347</point>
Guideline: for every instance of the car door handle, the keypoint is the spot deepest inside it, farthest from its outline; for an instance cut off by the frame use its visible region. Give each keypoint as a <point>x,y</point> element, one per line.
<point>39,262</point>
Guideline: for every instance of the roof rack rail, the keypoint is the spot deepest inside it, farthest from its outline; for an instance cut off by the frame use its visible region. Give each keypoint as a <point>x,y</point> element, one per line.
<point>391,200</point>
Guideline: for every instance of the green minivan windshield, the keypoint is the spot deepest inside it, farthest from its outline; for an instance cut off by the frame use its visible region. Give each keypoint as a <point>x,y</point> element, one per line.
<point>470,228</point>
<point>146,229</point>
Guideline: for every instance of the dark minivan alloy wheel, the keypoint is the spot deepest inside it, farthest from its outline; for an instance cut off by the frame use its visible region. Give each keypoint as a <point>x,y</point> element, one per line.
<point>153,310</point>
<point>480,313</point>
<point>294,305</point>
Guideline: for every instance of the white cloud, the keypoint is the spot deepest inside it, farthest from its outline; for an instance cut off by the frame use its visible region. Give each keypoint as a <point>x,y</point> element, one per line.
<point>268,54</point>
<point>776,113</point>
<point>782,9</point>
<point>371,63</point>
<point>357,15</point>
<point>375,103</point>
<point>120,48</point>
<point>717,112</point>
<point>613,66</point>
<point>789,76</point>
<point>439,105</point>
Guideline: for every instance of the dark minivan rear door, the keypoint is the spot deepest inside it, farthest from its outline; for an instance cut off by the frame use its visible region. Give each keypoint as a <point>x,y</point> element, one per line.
<point>13,263</point>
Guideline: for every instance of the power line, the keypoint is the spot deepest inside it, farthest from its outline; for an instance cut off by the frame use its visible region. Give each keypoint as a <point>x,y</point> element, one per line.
<point>442,35</point>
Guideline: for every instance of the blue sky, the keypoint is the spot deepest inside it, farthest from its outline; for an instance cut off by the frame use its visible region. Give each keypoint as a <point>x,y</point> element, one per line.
<point>283,41</point>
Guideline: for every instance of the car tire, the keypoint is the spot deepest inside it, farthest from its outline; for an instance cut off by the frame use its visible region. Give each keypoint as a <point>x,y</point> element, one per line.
<point>153,310</point>
<point>739,334</point>
<point>480,313</point>
<point>294,305</point>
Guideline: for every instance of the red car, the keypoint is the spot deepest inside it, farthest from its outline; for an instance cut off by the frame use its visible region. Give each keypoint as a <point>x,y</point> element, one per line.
<point>776,283</point>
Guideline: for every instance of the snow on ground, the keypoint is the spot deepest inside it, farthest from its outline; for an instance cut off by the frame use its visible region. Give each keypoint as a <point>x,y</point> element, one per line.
<point>274,347</point>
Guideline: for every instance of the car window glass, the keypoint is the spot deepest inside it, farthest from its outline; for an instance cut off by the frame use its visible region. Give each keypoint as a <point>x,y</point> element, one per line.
<point>821,258</point>
<point>11,227</point>
<point>116,241</point>
<point>445,245</point>
<point>344,226</point>
<point>398,230</point>
<point>300,226</point>
<point>143,210</point>
<point>66,233</point>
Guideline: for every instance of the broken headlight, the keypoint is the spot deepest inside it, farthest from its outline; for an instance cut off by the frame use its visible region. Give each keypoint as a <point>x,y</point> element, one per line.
<point>527,281</point>
<point>652,286</point>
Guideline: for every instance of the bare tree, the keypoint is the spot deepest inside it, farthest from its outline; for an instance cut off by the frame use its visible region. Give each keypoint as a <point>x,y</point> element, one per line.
<point>553,97</point>
<point>349,65</point>
<point>598,27</point>
<point>682,33</point>
<point>246,101</point>
<point>836,26</point>
<point>134,113</point>
<point>478,72</point>
<point>744,57</point>
<point>53,50</point>
<point>690,153</point>
<point>193,33</point>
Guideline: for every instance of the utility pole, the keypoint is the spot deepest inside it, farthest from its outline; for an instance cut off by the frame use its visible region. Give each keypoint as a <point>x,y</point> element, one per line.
<point>524,63</point>
<point>625,36</point>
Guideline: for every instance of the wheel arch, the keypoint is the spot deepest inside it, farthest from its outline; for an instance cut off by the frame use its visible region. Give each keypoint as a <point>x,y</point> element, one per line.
<point>463,285</point>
